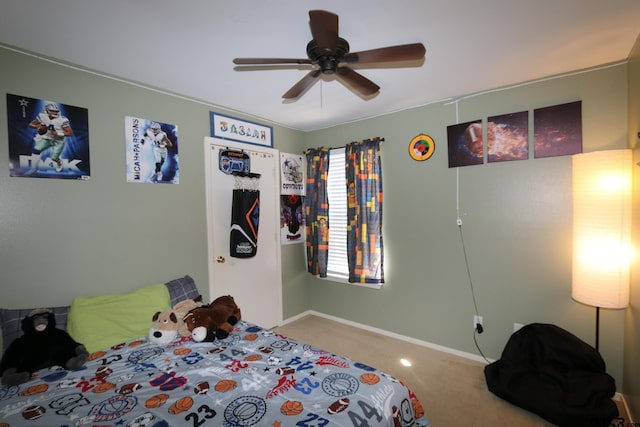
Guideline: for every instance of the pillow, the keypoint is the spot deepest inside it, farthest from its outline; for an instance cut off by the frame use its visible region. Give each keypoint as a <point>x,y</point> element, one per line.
<point>104,321</point>
<point>182,289</point>
<point>11,322</point>
<point>11,319</point>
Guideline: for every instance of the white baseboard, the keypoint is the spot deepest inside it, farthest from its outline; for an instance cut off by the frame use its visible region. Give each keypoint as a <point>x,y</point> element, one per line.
<point>411,340</point>
<point>620,397</point>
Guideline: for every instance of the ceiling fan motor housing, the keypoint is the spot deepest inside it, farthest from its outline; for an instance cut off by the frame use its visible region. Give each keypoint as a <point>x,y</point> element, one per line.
<point>326,59</point>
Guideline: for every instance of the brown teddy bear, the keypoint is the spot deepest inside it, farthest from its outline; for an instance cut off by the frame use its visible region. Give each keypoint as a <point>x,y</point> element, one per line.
<point>212,321</point>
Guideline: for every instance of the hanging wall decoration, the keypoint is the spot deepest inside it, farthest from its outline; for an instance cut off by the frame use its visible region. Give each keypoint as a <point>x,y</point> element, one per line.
<point>421,147</point>
<point>230,161</point>
<point>152,151</point>
<point>292,220</point>
<point>245,215</point>
<point>226,127</point>
<point>465,144</point>
<point>47,139</point>
<point>508,137</point>
<point>291,174</point>
<point>558,130</point>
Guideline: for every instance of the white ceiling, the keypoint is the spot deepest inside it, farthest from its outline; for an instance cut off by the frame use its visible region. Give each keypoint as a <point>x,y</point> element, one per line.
<point>187,47</point>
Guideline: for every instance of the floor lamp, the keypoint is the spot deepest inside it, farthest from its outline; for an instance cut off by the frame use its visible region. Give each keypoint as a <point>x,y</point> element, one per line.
<point>601,229</point>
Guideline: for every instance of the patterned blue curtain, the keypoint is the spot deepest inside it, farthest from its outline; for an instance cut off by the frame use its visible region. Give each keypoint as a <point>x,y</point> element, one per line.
<point>364,211</point>
<point>316,207</point>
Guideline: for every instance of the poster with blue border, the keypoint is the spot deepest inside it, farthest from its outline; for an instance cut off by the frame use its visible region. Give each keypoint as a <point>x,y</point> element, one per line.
<point>225,127</point>
<point>152,151</point>
<point>47,139</point>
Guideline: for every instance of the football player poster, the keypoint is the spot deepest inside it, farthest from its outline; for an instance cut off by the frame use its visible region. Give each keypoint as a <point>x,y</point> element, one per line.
<point>47,139</point>
<point>152,151</point>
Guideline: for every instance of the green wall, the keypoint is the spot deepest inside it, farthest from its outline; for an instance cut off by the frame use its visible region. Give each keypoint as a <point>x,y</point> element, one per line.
<point>61,239</point>
<point>516,225</point>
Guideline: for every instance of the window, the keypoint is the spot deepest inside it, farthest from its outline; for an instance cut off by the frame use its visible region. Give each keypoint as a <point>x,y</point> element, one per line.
<point>337,262</point>
<point>344,222</point>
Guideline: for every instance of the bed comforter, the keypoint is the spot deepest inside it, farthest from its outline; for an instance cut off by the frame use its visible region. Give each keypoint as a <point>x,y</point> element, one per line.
<point>254,377</point>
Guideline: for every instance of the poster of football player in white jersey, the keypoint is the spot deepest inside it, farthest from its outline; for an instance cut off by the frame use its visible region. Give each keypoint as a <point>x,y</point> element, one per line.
<point>152,151</point>
<point>43,143</point>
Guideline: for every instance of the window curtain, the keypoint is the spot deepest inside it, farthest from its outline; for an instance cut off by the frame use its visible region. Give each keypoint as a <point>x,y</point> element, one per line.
<point>363,175</point>
<point>316,208</point>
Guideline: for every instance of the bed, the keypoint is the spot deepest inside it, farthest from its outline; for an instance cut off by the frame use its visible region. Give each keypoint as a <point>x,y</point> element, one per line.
<point>255,377</point>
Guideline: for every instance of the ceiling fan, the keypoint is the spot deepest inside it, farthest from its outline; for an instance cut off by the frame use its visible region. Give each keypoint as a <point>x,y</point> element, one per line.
<point>329,54</point>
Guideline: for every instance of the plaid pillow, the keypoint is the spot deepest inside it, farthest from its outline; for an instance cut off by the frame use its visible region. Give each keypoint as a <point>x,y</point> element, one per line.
<point>182,289</point>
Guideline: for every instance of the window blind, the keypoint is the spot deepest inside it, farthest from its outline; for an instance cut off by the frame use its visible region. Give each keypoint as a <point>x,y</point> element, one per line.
<point>337,264</point>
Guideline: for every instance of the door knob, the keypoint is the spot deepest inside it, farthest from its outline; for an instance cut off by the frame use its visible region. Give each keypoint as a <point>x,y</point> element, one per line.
<point>220,260</point>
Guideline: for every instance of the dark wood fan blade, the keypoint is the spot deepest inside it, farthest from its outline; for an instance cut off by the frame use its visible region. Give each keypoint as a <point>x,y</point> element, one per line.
<point>305,83</point>
<point>405,52</point>
<point>266,61</point>
<point>324,28</point>
<point>357,81</point>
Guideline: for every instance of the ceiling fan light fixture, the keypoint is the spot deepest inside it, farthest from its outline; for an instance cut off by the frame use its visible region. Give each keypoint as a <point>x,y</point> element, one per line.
<point>327,51</point>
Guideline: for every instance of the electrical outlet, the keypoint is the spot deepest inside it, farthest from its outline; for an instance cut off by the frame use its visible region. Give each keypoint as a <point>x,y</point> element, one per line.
<point>477,320</point>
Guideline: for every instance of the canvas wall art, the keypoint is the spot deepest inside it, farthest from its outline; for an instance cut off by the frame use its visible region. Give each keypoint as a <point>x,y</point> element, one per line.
<point>465,144</point>
<point>508,137</point>
<point>558,130</point>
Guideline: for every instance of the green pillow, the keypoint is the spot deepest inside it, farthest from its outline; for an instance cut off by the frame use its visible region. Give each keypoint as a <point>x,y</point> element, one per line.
<point>104,321</point>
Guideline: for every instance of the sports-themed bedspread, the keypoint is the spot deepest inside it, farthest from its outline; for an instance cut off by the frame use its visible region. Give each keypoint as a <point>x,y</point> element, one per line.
<point>254,377</point>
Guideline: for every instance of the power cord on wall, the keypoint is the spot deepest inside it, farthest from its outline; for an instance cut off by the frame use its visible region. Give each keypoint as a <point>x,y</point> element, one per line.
<point>478,329</point>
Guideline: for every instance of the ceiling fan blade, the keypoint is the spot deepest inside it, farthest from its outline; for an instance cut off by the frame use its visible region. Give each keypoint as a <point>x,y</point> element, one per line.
<point>357,81</point>
<point>266,61</point>
<point>305,83</point>
<point>405,52</point>
<point>324,28</point>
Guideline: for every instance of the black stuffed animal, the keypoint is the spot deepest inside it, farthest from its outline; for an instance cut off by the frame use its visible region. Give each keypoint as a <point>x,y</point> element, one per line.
<point>41,346</point>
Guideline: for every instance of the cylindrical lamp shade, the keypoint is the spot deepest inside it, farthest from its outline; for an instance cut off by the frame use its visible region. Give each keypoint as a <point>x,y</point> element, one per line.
<point>602,228</point>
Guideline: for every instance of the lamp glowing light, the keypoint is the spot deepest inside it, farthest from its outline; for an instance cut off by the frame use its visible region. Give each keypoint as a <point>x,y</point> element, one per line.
<point>602,248</point>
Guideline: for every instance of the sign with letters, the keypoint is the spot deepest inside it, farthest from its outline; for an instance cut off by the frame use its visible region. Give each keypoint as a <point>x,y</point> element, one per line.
<point>225,127</point>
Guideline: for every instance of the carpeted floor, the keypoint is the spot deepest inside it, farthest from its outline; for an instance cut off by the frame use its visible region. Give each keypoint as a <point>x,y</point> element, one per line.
<point>452,389</point>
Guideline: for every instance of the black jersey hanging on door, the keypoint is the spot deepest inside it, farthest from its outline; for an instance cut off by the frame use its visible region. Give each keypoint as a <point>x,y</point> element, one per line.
<point>245,215</point>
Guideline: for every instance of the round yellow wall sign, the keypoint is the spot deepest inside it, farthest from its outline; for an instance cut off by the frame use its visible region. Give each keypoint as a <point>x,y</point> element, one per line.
<point>421,147</point>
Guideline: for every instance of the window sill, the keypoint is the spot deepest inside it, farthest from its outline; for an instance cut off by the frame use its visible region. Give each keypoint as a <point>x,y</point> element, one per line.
<point>346,281</point>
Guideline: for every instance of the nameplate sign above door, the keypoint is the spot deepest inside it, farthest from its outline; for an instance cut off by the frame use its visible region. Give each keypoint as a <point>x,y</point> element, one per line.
<point>234,129</point>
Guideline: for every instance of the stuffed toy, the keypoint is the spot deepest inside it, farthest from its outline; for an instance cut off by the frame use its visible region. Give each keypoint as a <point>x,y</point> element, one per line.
<point>41,346</point>
<point>212,321</point>
<point>168,324</point>
<point>164,328</point>
<point>181,309</point>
